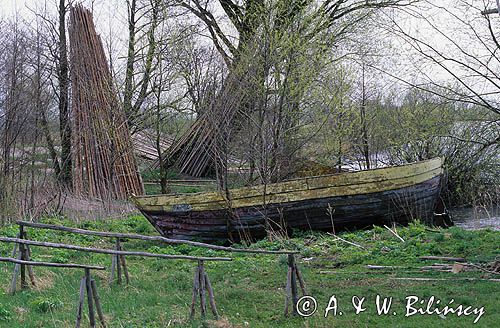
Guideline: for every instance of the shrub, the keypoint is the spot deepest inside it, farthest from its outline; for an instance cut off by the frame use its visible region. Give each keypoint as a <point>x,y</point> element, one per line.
<point>46,304</point>
<point>5,314</point>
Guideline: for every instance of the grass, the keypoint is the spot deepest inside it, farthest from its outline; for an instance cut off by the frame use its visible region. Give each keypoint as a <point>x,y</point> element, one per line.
<point>250,290</point>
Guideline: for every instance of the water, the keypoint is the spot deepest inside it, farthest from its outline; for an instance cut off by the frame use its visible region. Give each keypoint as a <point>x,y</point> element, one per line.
<point>474,218</point>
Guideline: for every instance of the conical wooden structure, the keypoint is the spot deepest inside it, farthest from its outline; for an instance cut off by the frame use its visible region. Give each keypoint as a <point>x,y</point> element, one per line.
<point>104,165</point>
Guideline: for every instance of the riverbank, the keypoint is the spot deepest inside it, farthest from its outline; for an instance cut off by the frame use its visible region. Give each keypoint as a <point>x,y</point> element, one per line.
<point>249,291</point>
<point>474,218</point>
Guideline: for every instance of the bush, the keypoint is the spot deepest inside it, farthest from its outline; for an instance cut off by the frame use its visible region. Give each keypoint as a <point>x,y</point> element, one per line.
<point>5,314</point>
<point>46,304</point>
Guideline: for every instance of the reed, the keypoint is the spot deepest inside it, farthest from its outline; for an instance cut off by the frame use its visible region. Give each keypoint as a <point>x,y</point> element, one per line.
<point>104,163</point>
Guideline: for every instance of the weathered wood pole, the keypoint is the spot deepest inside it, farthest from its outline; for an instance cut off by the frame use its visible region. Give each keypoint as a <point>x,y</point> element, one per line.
<point>201,286</point>
<point>211,297</point>
<point>123,262</point>
<point>301,280</point>
<point>80,302</point>
<point>288,290</point>
<point>119,265</point>
<point>14,250</point>
<point>90,302</point>
<point>112,273</point>
<point>196,286</point>
<point>201,277</point>
<point>291,285</point>
<point>117,261</point>
<point>97,301</point>
<point>125,269</point>
<point>22,249</point>
<point>30,268</point>
<point>13,283</point>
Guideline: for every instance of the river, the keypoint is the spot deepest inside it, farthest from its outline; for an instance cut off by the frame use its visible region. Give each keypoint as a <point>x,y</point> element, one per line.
<point>477,218</point>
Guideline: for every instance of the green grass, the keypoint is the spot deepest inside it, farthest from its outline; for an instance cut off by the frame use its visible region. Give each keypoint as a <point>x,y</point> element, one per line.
<point>250,290</point>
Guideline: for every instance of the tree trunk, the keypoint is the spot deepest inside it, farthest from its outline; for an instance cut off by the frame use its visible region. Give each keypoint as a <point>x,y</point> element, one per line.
<point>65,176</point>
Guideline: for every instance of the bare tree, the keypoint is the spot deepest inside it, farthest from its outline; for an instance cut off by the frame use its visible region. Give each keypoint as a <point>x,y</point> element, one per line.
<point>245,54</point>
<point>136,90</point>
<point>64,82</point>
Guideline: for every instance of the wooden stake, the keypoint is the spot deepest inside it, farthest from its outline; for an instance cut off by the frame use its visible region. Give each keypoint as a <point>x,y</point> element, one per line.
<point>288,290</point>
<point>22,249</point>
<point>30,268</point>
<point>293,282</point>
<point>196,282</point>
<point>211,297</point>
<point>90,302</point>
<point>14,250</point>
<point>112,273</point>
<point>117,261</point>
<point>125,270</point>
<point>123,262</point>
<point>394,233</point>
<point>301,281</point>
<point>201,278</point>
<point>14,276</point>
<point>80,302</point>
<point>97,303</point>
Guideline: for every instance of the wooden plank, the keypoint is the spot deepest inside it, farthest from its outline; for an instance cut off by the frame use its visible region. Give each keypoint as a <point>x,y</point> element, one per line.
<point>301,280</point>
<point>30,268</point>
<point>288,290</point>
<point>109,251</point>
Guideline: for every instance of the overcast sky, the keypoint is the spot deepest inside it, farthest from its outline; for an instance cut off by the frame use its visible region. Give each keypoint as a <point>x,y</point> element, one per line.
<point>110,19</point>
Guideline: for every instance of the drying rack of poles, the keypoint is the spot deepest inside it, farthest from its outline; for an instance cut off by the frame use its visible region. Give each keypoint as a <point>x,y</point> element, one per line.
<point>201,282</point>
<point>87,286</point>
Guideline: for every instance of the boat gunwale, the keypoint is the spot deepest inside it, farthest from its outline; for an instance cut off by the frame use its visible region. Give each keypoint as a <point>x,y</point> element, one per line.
<point>299,179</point>
<point>159,211</point>
<point>437,169</point>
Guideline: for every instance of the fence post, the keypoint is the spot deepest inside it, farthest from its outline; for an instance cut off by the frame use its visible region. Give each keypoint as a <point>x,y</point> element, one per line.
<point>22,249</point>
<point>90,301</point>
<point>293,275</point>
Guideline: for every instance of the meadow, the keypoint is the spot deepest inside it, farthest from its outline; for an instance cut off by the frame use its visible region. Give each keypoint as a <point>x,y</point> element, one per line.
<point>249,290</point>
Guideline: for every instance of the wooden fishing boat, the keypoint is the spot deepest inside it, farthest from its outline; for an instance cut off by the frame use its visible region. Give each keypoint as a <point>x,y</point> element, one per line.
<point>345,200</point>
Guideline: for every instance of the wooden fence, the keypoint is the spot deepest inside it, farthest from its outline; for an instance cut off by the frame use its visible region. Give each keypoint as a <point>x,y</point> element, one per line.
<point>201,282</point>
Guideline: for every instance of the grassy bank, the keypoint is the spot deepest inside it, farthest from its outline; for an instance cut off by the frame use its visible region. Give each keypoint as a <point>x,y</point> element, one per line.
<point>250,290</point>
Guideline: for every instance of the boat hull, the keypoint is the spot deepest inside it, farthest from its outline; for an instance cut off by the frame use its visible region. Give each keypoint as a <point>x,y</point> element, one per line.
<point>331,213</point>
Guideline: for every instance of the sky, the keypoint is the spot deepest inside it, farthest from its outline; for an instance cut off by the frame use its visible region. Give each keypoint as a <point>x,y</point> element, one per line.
<point>110,16</point>
<point>110,19</point>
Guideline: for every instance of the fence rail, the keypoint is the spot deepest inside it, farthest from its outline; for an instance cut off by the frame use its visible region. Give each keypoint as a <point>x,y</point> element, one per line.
<point>50,264</point>
<point>110,251</point>
<point>149,238</point>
